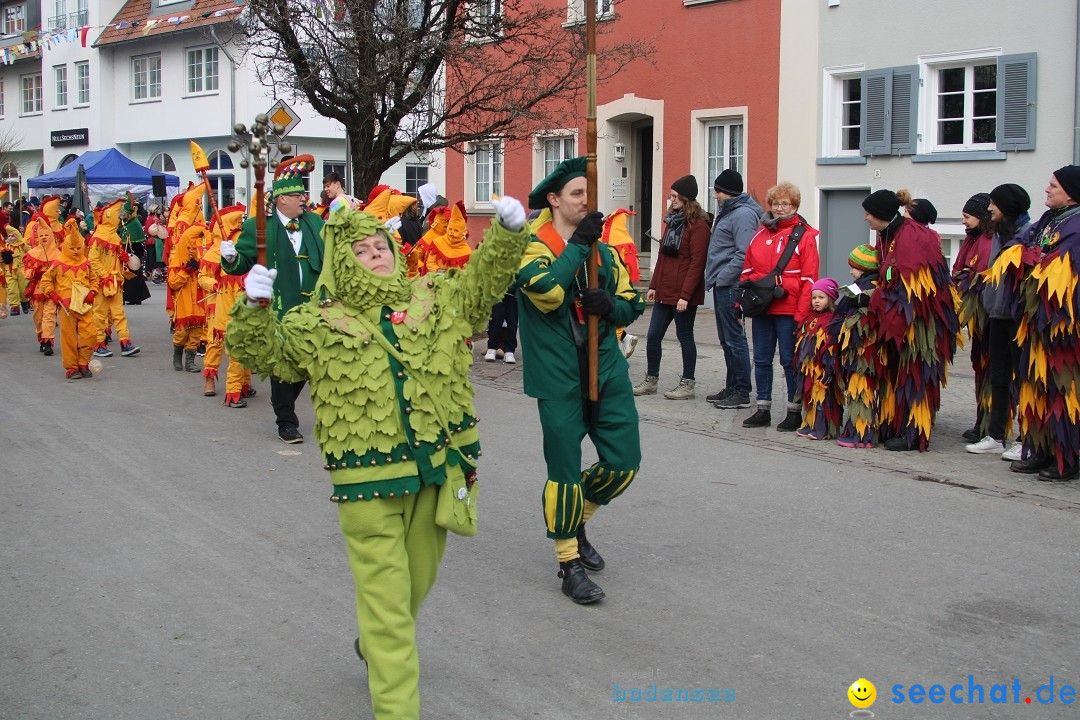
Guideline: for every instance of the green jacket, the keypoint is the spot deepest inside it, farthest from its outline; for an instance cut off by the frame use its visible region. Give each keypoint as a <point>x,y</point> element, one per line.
<point>297,271</point>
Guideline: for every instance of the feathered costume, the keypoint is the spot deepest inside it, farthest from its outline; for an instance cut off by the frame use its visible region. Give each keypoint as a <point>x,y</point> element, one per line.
<point>915,309</point>
<point>858,362</point>
<point>815,363</point>
<point>967,275</point>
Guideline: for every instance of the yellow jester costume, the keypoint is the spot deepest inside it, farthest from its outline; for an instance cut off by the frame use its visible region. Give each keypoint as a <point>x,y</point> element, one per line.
<point>109,262</point>
<point>71,284</point>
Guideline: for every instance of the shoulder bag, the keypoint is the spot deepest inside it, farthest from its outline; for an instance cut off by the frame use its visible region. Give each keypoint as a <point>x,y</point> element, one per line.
<point>755,296</point>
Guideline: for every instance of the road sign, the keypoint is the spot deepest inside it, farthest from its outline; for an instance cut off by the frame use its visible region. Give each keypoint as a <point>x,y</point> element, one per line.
<point>283,115</point>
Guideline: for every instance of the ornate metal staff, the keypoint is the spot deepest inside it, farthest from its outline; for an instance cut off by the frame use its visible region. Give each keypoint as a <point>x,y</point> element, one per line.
<point>590,179</point>
<point>256,148</point>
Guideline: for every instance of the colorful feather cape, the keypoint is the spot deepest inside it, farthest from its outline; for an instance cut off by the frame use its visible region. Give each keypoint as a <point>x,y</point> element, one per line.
<point>815,361</point>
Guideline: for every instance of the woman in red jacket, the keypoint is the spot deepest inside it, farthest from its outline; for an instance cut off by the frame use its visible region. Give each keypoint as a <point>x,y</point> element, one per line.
<point>677,287</point>
<point>777,325</point>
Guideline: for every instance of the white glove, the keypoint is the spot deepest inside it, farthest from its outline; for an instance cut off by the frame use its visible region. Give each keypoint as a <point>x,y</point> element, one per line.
<point>228,250</point>
<point>259,285</point>
<point>394,223</point>
<point>510,213</point>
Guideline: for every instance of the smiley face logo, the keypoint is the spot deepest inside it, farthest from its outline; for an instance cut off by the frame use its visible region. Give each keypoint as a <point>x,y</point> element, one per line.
<point>862,693</point>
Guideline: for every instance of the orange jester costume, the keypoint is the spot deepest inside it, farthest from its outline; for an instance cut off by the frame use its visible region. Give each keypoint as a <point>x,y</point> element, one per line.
<point>70,282</point>
<point>450,249</point>
<point>109,262</point>
<point>189,317</point>
<point>43,234</point>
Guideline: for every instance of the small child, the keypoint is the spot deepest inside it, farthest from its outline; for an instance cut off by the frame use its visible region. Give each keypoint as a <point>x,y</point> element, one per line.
<point>854,334</point>
<point>815,358</point>
<point>71,284</point>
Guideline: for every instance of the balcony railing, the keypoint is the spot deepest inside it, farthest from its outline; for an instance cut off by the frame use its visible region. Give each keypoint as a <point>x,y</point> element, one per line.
<point>58,22</point>
<point>79,18</point>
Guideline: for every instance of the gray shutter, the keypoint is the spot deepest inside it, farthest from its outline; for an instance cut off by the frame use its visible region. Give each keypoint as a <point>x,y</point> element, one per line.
<point>1016,102</point>
<point>874,113</point>
<point>903,120</point>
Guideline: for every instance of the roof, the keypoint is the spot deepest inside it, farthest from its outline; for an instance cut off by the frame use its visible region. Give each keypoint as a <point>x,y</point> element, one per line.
<point>135,15</point>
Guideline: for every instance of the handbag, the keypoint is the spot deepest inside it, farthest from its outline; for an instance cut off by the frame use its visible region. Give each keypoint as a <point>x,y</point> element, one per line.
<point>755,296</point>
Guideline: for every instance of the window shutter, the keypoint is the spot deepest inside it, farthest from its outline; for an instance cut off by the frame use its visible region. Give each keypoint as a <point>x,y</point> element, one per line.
<point>903,120</point>
<point>1016,102</point>
<point>876,95</point>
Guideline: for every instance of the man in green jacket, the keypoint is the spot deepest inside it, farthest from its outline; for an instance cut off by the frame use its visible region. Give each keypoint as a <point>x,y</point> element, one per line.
<point>553,300</point>
<point>295,249</point>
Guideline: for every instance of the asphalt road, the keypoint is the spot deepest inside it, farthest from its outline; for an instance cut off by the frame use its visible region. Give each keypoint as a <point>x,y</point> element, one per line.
<point>163,556</point>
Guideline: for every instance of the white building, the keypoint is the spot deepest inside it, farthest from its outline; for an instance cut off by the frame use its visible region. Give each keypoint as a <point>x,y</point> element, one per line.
<point>148,90</point>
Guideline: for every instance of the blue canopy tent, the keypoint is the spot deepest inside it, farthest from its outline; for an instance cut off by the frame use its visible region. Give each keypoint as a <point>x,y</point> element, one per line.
<point>108,175</point>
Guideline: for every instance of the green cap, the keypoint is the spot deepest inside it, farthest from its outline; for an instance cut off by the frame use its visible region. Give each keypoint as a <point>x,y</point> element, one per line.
<point>564,172</point>
<point>288,185</point>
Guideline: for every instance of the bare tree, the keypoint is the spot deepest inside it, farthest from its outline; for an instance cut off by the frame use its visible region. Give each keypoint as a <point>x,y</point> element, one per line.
<point>10,142</point>
<point>407,76</point>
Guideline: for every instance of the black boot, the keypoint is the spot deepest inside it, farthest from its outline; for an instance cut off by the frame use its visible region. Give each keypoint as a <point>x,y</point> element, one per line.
<point>590,559</point>
<point>791,422</point>
<point>178,357</point>
<point>576,584</point>
<point>48,350</point>
<point>189,361</point>
<point>761,418</point>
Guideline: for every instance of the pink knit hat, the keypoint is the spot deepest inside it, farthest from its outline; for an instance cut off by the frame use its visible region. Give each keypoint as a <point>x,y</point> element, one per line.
<point>827,286</point>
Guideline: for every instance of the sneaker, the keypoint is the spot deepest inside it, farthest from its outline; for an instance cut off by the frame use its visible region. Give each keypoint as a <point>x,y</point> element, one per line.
<point>241,403</point>
<point>128,348</point>
<point>14,310</point>
<point>986,446</point>
<point>508,358</point>
<point>47,347</point>
<point>761,418</point>
<point>628,344</point>
<point>490,356</point>
<point>102,351</point>
<point>734,401</point>
<point>201,350</point>
<point>717,397</point>
<point>1014,452</point>
<point>290,435</point>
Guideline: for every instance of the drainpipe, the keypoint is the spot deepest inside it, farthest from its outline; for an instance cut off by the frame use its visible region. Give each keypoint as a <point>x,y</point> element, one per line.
<point>232,97</point>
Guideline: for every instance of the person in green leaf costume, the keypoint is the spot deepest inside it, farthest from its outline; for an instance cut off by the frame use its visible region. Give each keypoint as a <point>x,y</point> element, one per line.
<point>387,362</point>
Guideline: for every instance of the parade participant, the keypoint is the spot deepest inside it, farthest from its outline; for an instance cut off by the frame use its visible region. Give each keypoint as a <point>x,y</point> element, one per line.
<point>184,212</point>
<point>134,241</point>
<point>451,249</point>
<point>388,366</point>
<point>72,285</point>
<point>43,234</point>
<point>109,260</point>
<point>221,291</point>
<point>853,332</point>
<point>156,230</point>
<point>915,312</point>
<point>189,317</point>
<point>437,221</point>
<point>294,248</point>
<point>1047,261</point>
<point>553,300</point>
<point>815,357</point>
<point>12,250</point>
<point>617,235</point>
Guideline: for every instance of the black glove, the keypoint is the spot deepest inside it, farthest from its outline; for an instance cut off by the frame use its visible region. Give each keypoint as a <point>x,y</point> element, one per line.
<point>596,301</point>
<point>7,257</point>
<point>589,229</point>
<point>192,265</point>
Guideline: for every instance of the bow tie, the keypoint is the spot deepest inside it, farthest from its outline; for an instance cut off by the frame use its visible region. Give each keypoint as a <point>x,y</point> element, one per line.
<point>292,226</point>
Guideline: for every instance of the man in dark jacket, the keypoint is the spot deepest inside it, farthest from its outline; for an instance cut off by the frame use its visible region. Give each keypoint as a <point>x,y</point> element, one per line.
<point>737,219</point>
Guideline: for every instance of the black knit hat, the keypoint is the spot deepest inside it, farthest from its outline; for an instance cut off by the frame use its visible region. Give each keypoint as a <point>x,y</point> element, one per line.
<point>728,182</point>
<point>1011,199</point>
<point>923,211</point>
<point>882,204</point>
<point>1069,179</point>
<point>978,206</point>
<point>686,186</point>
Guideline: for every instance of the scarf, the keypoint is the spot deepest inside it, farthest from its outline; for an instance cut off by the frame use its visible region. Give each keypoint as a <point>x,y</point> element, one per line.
<point>676,225</point>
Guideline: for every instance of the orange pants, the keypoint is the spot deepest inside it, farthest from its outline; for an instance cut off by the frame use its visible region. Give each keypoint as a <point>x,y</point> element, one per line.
<point>109,311</point>
<point>76,338</point>
<point>45,319</point>
<point>237,376</point>
<point>188,337</point>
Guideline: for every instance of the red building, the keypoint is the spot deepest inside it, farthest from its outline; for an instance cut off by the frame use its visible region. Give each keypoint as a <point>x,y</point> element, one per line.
<point>707,101</point>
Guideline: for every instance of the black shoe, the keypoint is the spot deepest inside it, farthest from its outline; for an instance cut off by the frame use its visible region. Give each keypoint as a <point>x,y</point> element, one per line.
<point>41,346</point>
<point>290,435</point>
<point>576,584</point>
<point>733,401</point>
<point>792,422</point>
<point>761,418</point>
<point>973,435</point>
<point>1031,465</point>
<point>241,403</point>
<point>717,397</point>
<point>356,647</point>
<point>1051,473</point>
<point>48,348</point>
<point>201,350</point>
<point>25,307</point>
<point>587,554</point>
<point>898,444</point>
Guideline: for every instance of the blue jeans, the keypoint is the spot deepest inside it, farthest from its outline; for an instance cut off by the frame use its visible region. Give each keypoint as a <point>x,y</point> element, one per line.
<point>732,336</point>
<point>768,330</point>
<point>662,315</point>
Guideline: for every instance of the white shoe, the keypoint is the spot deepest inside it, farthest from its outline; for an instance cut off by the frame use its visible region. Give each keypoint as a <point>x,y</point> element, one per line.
<point>1013,453</point>
<point>985,446</point>
<point>508,358</point>
<point>628,344</point>
<point>490,355</point>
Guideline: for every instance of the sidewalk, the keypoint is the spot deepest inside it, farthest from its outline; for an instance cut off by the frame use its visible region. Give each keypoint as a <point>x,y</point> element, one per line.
<point>945,462</point>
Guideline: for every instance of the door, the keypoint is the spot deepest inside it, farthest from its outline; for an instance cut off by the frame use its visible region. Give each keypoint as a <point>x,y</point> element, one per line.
<point>842,230</point>
<point>643,170</point>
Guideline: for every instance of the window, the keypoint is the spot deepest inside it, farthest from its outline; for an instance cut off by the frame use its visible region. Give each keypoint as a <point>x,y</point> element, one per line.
<point>162,162</point>
<point>146,77</point>
<point>842,116</point>
<point>59,19</point>
<point>487,13</point>
<point>336,166</point>
<point>725,149</point>
<point>555,151</point>
<point>81,16</point>
<point>486,168</point>
<point>67,160</point>
<point>415,176</point>
<point>222,180</point>
<point>1,97</point>
<point>965,107</point>
<point>31,94</point>
<point>14,19</point>
<point>202,70</point>
<point>575,10</point>
<point>82,83</point>
<point>60,76</point>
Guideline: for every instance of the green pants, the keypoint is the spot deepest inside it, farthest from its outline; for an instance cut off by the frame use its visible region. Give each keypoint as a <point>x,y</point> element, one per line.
<point>394,551</point>
<point>617,443</point>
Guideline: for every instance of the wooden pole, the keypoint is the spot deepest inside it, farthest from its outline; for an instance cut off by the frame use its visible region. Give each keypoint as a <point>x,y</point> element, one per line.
<point>593,325</point>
